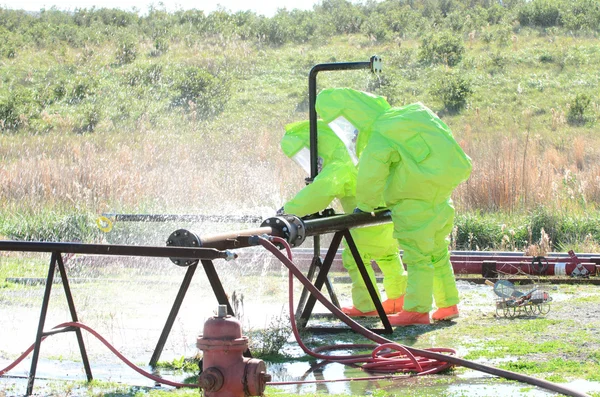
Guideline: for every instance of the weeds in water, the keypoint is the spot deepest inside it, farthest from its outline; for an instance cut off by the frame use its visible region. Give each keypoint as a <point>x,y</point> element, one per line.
<point>267,343</point>
<point>185,364</point>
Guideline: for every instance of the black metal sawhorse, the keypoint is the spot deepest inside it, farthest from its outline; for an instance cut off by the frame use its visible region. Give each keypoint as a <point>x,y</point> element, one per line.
<point>205,255</point>
<point>304,311</point>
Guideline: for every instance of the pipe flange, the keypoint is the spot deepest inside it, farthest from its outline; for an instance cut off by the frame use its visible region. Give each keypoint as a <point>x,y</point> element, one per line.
<point>289,227</point>
<point>184,238</point>
<point>539,264</point>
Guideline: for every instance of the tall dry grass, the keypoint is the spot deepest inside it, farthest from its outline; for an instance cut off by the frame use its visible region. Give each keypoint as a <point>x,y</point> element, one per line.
<point>244,171</point>
<point>241,171</point>
<point>522,171</point>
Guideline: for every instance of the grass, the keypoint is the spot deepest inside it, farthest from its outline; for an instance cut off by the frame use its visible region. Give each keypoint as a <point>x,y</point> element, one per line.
<point>524,151</point>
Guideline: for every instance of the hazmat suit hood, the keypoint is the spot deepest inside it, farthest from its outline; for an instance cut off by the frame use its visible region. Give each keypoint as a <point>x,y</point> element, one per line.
<point>296,145</point>
<point>350,114</point>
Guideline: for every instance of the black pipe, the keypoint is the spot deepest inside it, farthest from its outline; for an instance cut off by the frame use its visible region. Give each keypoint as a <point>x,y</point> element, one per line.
<point>112,249</point>
<point>280,227</point>
<point>336,223</point>
<point>312,115</point>
<point>312,100</point>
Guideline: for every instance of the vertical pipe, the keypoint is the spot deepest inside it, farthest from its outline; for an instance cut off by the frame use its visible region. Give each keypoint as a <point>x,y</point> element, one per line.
<point>312,118</point>
<point>314,152</point>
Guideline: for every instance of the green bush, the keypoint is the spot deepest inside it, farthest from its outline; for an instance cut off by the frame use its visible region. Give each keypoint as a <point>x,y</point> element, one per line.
<point>578,109</point>
<point>343,15</point>
<point>442,48</point>
<point>199,91</point>
<point>476,232</point>
<point>376,28</point>
<point>16,107</point>
<point>582,15</point>
<point>542,13</point>
<point>161,46</point>
<point>453,89</point>
<point>126,51</point>
<point>50,225</point>
<point>89,115</point>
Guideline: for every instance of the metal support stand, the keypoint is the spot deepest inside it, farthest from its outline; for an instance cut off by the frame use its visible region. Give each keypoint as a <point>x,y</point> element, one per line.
<point>303,314</point>
<point>56,259</point>
<point>220,294</point>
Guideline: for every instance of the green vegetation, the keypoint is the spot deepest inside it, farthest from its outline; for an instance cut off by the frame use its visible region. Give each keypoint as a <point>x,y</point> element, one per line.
<point>109,111</point>
<point>191,365</point>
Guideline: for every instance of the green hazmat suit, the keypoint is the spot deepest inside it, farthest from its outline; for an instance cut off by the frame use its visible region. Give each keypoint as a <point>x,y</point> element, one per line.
<point>337,180</point>
<point>412,161</point>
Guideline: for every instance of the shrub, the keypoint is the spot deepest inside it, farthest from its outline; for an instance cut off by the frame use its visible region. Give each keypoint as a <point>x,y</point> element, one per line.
<point>445,48</point>
<point>200,91</point>
<point>343,15</point>
<point>582,14</point>
<point>161,46</point>
<point>542,13</point>
<point>453,90</point>
<point>267,343</point>
<point>578,108</point>
<point>126,51</point>
<point>89,117</point>
<point>15,109</point>
<point>51,225</point>
<point>375,27</point>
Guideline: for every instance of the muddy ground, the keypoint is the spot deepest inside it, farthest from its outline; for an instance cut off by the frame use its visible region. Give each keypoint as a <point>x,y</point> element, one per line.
<point>128,304</point>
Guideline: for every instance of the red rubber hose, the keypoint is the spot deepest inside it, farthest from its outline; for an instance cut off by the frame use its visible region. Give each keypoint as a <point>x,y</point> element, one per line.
<point>416,352</point>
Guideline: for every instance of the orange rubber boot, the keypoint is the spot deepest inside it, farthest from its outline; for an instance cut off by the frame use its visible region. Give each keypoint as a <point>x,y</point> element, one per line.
<point>392,306</point>
<point>351,311</point>
<point>404,318</point>
<point>445,313</point>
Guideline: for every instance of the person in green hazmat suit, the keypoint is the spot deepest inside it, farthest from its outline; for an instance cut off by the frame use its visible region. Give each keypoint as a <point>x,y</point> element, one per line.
<point>337,180</point>
<point>411,160</point>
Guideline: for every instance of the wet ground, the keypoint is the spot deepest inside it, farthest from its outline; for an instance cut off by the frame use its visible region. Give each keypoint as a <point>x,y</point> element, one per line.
<point>128,304</point>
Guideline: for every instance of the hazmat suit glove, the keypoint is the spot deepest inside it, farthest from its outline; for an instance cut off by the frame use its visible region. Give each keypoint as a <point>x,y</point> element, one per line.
<point>280,211</point>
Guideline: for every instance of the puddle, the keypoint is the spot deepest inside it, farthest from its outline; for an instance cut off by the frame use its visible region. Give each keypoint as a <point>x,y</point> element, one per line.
<point>55,375</point>
<point>131,317</point>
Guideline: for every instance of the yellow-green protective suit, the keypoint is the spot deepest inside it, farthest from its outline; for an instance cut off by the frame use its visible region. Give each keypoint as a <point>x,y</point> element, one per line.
<point>337,180</point>
<point>411,160</point>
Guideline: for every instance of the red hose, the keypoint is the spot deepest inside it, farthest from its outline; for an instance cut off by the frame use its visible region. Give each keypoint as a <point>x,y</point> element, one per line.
<point>380,360</point>
<point>110,347</point>
<point>405,359</point>
<point>427,353</point>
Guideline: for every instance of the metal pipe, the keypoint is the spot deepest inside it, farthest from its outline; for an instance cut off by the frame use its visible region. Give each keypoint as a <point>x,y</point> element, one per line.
<point>312,100</point>
<point>374,64</point>
<point>336,223</point>
<point>291,228</point>
<point>116,250</point>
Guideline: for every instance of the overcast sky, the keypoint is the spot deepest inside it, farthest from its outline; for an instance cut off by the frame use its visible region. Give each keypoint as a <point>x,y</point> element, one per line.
<point>260,7</point>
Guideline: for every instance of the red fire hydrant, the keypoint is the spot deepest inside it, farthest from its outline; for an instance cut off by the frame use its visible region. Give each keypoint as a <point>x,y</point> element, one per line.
<point>225,371</point>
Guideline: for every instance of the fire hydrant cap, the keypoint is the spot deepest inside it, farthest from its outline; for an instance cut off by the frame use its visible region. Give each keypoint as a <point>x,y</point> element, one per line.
<point>227,327</point>
<point>222,333</point>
